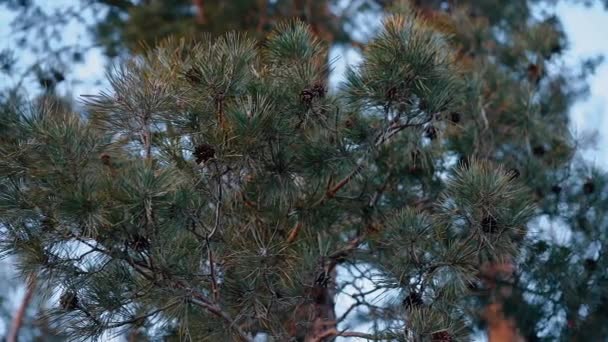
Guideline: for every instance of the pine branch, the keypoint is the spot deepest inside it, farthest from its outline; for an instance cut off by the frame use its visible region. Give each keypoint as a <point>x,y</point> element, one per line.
<point>147,139</point>
<point>113,325</point>
<point>218,204</point>
<point>397,126</point>
<point>382,138</point>
<point>333,332</point>
<point>356,241</point>
<point>332,192</point>
<point>214,285</point>
<point>353,306</point>
<point>293,234</point>
<point>216,310</point>
<point>361,335</point>
<point>198,299</point>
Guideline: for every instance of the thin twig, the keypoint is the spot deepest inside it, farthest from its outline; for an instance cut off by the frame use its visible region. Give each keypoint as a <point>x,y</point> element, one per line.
<point>334,332</point>
<point>199,299</point>
<point>349,310</point>
<point>218,204</point>
<point>362,335</point>
<point>141,317</point>
<point>331,193</point>
<point>382,138</point>
<point>378,193</point>
<point>214,287</point>
<point>351,246</point>
<point>216,310</point>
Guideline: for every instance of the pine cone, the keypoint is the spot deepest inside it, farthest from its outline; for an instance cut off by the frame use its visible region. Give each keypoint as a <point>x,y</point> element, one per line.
<point>413,300</point>
<point>441,336</point>
<point>203,153</point>
<point>47,224</point>
<point>306,96</point>
<point>455,117</point>
<point>318,90</point>
<point>69,301</point>
<point>590,265</point>
<point>513,173</point>
<point>588,187</point>
<point>556,189</point>
<point>391,93</point>
<point>539,150</point>
<point>105,159</point>
<point>534,73</point>
<point>556,49</point>
<point>349,123</point>
<point>489,225</point>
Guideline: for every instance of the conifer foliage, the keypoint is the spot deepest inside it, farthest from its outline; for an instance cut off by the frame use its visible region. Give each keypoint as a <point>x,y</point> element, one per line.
<point>214,190</point>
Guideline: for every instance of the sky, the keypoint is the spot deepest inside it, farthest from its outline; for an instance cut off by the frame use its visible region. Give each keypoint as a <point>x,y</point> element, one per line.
<point>586,27</point>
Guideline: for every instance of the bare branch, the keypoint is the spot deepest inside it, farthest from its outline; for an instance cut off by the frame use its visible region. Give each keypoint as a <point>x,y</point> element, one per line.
<point>216,310</point>
<point>214,287</point>
<point>333,332</point>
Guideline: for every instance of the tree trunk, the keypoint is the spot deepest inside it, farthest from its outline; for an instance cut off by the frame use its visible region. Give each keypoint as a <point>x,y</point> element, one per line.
<point>200,11</point>
<point>20,314</point>
<point>500,328</point>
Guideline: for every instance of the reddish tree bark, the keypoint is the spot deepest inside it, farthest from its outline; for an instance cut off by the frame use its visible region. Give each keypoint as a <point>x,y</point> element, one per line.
<point>500,328</point>
<point>20,314</point>
<point>200,11</point>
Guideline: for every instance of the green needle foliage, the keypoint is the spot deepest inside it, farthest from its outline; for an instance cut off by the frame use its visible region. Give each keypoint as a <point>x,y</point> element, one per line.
<point>215,188</point>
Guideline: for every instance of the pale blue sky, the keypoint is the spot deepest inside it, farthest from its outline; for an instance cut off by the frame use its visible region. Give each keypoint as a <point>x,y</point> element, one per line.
<point>587,29</point>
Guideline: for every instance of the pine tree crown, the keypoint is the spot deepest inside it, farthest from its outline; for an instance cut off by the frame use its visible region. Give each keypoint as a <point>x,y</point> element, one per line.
<point>214,189</point>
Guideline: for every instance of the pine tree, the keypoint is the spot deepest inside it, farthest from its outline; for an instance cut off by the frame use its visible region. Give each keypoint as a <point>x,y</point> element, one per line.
<point>215,189</point>
<point>219,190</point>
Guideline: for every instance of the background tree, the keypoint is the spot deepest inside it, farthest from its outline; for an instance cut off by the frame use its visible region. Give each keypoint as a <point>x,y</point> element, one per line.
<point>120,27</point>
<point>514,112</point>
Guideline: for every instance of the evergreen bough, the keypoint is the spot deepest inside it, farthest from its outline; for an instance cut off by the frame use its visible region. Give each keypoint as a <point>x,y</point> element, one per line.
<point>218,189</point>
